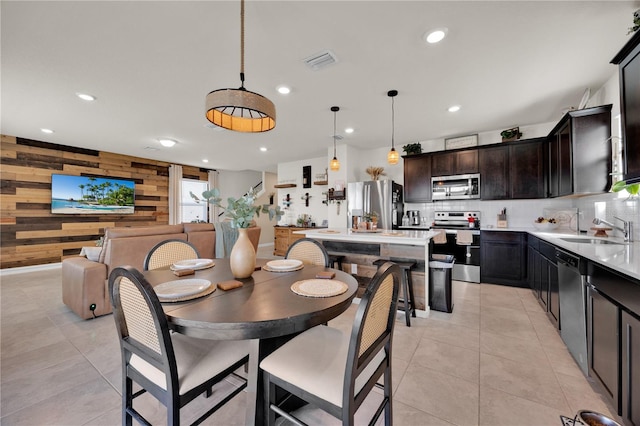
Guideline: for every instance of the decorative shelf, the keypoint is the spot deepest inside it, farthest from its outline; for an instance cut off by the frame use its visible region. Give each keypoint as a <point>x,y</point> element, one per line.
<point>321,182</point>
<point>285,185</point>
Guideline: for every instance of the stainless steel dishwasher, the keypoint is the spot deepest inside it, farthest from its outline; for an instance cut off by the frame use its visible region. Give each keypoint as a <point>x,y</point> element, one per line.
<point>572,288</point>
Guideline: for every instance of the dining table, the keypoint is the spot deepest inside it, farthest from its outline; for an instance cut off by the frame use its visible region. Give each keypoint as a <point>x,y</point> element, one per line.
<point>264,309</point>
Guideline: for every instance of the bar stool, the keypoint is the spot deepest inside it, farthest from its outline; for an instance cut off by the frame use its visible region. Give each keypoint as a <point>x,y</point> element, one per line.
<point>336,258</point>
<point>407,303</point>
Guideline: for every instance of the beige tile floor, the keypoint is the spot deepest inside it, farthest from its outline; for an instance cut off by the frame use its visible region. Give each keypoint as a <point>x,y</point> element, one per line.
<point>496,360</point>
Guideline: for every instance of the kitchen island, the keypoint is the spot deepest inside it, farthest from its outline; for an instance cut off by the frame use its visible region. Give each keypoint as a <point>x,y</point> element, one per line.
<point>366,247</point>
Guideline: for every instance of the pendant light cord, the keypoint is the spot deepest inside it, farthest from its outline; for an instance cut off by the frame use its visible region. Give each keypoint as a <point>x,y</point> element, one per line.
<point>335,113</point>
<point>242,43</point>
<point>393,123</point>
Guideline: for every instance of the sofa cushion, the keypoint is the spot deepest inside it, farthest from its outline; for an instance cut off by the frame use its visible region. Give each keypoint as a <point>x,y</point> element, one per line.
<point>133,250</point>
<point>135,231</point>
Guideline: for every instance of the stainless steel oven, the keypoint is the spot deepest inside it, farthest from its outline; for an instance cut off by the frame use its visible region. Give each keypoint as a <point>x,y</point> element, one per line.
<point>467,254</point>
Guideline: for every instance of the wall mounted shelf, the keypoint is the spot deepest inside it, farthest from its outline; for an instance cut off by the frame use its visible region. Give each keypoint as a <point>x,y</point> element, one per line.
<point>285,185</point>
<point>321,182</point>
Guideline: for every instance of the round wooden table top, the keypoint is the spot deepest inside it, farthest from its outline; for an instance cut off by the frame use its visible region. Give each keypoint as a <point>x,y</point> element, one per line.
<point>264,307</point>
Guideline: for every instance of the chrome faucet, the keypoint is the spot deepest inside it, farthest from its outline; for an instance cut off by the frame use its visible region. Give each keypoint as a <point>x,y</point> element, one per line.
<point>627,228</point>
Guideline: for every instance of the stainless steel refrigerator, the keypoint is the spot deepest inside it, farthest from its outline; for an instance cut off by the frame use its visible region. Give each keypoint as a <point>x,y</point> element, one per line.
<point>383,197</point>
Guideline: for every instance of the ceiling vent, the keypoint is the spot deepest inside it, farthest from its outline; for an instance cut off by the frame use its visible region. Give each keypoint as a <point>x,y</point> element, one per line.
<point>338,137</point>
<point>321,60</point>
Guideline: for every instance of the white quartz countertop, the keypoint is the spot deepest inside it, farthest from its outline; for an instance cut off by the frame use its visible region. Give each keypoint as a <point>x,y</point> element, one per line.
<point>622,257</point>
<point>396,236</point>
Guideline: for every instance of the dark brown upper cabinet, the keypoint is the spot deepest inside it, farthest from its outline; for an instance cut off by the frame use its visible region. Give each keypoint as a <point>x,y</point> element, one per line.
<point>628,60</point>
<point>514,170</point>
<point>417,178</point>
<point>454,163</point>
<point>580,153</point>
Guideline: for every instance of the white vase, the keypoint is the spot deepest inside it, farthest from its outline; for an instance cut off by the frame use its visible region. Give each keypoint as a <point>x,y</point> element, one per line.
<point>243,256</point>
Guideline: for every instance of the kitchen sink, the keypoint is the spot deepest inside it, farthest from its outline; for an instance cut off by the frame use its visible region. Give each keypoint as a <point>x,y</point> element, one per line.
<point>589,241</point>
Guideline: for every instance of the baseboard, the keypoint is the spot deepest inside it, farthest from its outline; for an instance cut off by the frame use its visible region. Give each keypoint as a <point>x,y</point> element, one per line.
<point>32,268</point>
<point>265,245</point>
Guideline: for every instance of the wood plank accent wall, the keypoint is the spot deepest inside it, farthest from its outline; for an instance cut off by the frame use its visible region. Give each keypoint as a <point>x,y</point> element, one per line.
<point>31,235</point>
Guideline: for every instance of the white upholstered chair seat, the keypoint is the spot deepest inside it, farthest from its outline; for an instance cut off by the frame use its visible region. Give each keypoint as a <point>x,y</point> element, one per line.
<point>195,359</point>
<point>315,361</point>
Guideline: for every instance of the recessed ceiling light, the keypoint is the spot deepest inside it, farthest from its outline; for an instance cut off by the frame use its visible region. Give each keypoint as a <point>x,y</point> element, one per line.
<point>283,90</point>
<point>205,160</point>
<point>263,148</point>
<point>435,36</point>
<point>348,130</point>
<point>454,108</point>
<point>167,142</point>
<point>86,97</point>
<point>48,131</point>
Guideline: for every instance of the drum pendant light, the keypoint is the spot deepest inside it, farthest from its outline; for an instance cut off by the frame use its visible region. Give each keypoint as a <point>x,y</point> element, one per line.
<point>334,164</point>
<point>239,109</point>
<point>393,156</point>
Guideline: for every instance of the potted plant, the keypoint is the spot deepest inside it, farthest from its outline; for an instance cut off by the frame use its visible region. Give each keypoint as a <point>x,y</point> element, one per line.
<point>511,134</point>
<point>632,188</point>
<point>241,212</point>
<point>412,148</point>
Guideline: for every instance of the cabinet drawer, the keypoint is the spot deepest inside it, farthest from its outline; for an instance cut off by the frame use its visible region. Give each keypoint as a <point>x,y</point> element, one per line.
<point>622,290</point>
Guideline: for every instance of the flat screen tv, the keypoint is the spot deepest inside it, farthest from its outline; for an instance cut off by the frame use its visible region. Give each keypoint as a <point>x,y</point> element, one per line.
<point>91,195</point>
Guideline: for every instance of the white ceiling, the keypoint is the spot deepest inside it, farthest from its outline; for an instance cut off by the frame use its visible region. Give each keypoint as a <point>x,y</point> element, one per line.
<point>151,64</point>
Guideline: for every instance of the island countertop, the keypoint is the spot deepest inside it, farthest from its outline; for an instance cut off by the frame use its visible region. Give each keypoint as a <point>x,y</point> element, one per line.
<point>396,236</point>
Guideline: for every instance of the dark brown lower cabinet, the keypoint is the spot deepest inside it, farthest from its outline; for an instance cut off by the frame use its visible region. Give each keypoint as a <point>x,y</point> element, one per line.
<point>503,258</point>
<point>602,343</point>
<point>613,337</point>
<point>554,296</point>
<point>630,392</point>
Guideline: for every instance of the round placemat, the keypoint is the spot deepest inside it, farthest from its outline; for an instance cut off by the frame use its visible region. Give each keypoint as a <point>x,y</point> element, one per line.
<point>319,288</point>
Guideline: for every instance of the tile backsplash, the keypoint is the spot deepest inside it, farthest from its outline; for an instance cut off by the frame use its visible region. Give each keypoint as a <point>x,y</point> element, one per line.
<point>522,213</point>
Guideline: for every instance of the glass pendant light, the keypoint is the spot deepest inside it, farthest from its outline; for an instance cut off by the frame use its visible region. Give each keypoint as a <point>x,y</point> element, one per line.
<point>239,109</point>
<point>334,164</point>
<point>393,156</point>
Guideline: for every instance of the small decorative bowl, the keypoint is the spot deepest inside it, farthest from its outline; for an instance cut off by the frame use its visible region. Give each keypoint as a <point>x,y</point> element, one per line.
<point>545,226</point>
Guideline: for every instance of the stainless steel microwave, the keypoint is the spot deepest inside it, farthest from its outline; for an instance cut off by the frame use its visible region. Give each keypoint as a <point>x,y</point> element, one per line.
<point>457,187</point>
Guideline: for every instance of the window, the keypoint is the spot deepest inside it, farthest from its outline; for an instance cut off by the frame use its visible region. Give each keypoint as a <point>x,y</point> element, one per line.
<point>191,211</point>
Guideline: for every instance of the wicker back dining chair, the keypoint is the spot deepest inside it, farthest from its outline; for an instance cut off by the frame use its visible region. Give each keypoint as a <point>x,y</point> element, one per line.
<point>335,371</point>
<point>167,252</point>
<point>309,251</point>
<point>172,367</point>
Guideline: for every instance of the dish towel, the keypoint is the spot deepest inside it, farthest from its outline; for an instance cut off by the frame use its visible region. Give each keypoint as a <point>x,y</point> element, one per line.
<point>440,237</point>
<point>465,238</point>
<point>226,237</point>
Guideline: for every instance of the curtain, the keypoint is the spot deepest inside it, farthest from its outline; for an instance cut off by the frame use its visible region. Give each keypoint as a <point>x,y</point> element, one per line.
<point>213,183</point>
<point>175,194</point>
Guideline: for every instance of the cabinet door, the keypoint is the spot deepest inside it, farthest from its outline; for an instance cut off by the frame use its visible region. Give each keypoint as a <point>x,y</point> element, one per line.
<point>630,394</point>
<point>281,243</point>
<point>494,173</point>
<point>603,338</point>
<point>544,283</point>
<point>526,170</point>
<point>554,299</point>
<point>443,164</point>
<point>554,173</point>
<point>630,106</point>
<point>503,258</point>
<point>417,179</point>
<point>466,162</point>
<point>565,165</point>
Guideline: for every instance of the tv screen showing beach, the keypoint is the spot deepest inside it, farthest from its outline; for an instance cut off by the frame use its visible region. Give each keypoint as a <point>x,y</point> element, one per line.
<point>91,195</point>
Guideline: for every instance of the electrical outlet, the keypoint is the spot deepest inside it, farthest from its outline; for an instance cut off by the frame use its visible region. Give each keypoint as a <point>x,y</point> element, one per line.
<point>354,268</point>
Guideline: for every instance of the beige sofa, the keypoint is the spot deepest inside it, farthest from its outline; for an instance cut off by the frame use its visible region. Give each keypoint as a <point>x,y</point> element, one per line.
<point>85,282</point>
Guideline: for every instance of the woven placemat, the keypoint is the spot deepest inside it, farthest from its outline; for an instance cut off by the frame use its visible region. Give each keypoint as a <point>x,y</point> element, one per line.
<point>266,268</point>
<point>203,293</point>
<point>319,288</point>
